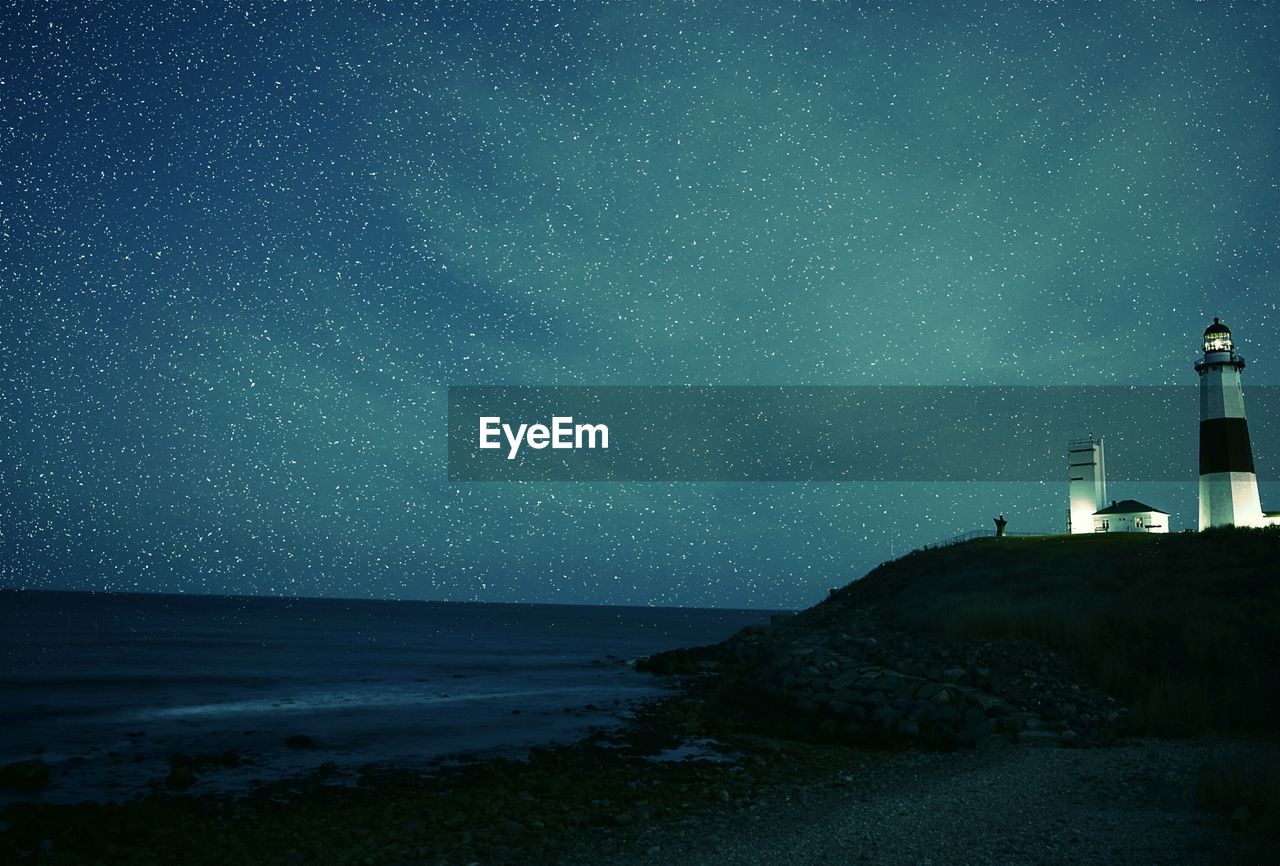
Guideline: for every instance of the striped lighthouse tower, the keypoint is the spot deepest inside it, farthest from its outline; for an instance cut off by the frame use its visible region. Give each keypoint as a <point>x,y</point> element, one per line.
<point>1228,485</point>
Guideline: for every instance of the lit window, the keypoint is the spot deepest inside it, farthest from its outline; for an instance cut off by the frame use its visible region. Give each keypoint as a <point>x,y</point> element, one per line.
<point>1217,341</point>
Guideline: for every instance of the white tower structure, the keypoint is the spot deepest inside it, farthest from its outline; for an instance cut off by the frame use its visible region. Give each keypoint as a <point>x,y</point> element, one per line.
<point>1086,482</point>
<point>1228,484</point>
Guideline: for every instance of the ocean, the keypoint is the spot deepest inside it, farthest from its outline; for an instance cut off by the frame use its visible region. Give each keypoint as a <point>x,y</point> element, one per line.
<point>105,688</point>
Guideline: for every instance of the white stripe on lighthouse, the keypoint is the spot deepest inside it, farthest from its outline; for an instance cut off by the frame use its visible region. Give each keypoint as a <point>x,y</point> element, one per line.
<point>1221,394</point>
<point>1230,497</point>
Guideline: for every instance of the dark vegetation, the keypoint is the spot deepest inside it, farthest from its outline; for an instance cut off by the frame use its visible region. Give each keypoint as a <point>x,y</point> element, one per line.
<point>1185,628</point>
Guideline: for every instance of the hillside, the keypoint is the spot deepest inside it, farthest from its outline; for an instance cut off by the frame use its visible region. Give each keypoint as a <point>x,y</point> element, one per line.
<point>1184,628</point>
<point>1079,637</point>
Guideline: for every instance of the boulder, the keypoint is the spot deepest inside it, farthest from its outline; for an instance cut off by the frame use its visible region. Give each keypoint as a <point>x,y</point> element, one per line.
<point>1240,817</point>
<point>929,690</point>
<point>181,777</point>
<point>986,701</point>
<point>885,717</point>
<point>947,715</point>
<point>29,775</point>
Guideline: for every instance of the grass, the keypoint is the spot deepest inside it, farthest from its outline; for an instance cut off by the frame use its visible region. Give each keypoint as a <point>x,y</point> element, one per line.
<point>1184,627</point>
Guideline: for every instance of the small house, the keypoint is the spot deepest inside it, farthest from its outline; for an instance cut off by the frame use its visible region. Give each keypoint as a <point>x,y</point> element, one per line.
<point>1130,515</point>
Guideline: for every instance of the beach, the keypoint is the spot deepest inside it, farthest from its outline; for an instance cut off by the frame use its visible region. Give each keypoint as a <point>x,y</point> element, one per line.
<point>112,691</point>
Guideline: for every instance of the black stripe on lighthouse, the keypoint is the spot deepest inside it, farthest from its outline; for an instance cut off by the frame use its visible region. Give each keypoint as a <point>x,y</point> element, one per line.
<point>1224,446</point>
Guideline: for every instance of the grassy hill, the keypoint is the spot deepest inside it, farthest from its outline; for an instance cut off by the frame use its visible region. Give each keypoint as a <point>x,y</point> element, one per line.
<point>1185,627</point>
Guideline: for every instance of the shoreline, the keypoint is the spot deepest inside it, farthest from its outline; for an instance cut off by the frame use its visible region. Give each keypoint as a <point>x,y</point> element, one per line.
<point>234,763</point>
<point>955,706</point>
<point>605,798</point>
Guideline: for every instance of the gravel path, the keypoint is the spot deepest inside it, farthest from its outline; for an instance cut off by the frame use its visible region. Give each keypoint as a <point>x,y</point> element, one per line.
<point>1130,804</point>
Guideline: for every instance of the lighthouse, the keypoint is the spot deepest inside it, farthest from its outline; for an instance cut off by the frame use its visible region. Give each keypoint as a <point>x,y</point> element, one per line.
<point>1228,484</point>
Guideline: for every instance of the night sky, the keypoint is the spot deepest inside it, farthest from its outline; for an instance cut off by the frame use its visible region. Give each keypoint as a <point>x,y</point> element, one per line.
<point>245,247</point>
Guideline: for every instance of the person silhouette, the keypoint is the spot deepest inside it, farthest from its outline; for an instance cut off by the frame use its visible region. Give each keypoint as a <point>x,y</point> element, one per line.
<point>1000,524</point>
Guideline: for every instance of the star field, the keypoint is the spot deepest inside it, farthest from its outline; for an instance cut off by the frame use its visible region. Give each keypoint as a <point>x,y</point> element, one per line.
<point>246,247</point>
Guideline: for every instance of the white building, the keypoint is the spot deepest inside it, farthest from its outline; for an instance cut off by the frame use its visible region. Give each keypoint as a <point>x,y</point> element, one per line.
<point>1087,487</point>
<point>1086,483</point>
<point>1130,515</point>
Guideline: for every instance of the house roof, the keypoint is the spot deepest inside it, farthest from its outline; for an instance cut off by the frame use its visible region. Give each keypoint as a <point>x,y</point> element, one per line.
<point>1128,506</point>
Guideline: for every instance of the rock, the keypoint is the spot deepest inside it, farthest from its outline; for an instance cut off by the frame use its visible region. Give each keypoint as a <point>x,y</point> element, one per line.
<point>885,716</point>
<point>181,777</point>
<point>954,675</point>
<point>947,715</point>
<point>1018,721</point>
<point>299,741</point>
<point>29,775</point>
<point>845,696</point>
<point>986,701</point>
<point>1038,738</point>
<point>986,728</point>
<point>888,682</point>
<point>929,690</point>
<point>912,668</point>
<point>1240,817</point>
<point>328,768</point>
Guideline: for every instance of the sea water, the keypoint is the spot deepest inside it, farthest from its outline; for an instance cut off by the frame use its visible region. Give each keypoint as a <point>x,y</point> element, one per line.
<point>105,688</point>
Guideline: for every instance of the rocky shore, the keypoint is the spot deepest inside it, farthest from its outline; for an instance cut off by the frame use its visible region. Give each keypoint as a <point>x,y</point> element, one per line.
<point>842,734</point>
<point>854,681</point>
<point>791,743</point>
